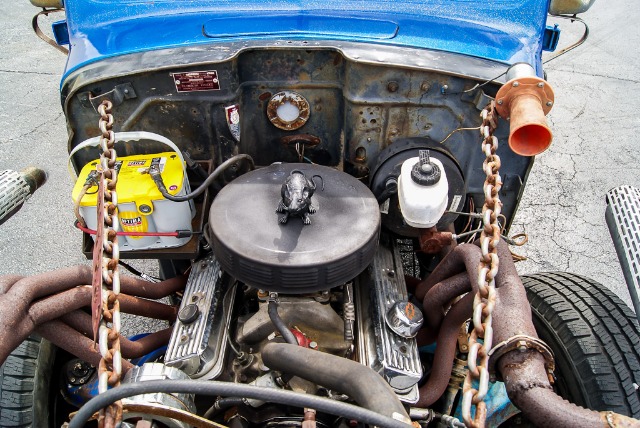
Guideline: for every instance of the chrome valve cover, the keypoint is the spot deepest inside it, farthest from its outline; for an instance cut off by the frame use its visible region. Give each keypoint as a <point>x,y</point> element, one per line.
<point>395,357</point>
<point>199,339</point>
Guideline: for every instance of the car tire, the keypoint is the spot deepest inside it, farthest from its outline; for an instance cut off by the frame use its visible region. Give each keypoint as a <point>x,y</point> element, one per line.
<point>595,338</point>
<point>25,380</point>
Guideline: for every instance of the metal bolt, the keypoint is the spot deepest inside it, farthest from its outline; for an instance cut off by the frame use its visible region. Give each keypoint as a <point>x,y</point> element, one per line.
<point>126,91</point>
<point>541,85</point>
<point>500,102</point>
<point>516,84</point>
<point>393,86</point>
<point>313,345</point>
<point>424,87</point>
<point>82,381</point>
<point>549,103</point>
<point>522,346</point>
<point>391,273</point>
<point>72,380</point>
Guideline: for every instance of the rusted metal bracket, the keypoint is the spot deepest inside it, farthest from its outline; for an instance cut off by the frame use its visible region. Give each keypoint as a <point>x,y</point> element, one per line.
<point>117,96</point>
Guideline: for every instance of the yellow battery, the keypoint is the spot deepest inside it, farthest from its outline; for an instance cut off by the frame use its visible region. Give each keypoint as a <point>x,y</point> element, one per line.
<point>141,206</point>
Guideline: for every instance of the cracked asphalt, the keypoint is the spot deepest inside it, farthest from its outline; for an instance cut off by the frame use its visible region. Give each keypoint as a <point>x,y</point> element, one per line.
<point>595,122</point>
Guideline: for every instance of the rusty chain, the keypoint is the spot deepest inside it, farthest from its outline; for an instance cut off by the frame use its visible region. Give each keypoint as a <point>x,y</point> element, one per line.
<point>110,368</point>
<point>481,337</point>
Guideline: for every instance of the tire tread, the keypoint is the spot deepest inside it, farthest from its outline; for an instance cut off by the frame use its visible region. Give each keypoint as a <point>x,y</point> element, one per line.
<point>598,333</point>
<point>17,385</point>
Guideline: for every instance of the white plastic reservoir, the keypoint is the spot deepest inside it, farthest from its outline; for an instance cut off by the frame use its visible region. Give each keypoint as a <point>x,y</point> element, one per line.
<point>423,191</point>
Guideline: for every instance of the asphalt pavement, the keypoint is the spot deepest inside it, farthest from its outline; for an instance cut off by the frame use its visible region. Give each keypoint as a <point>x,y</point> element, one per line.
<point>594,120</point>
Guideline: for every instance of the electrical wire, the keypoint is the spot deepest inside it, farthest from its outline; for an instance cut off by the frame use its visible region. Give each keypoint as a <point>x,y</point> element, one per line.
<point>279,324</point>
<point>136,272</point>
<point>155,174</point>
<point>477,86</point>
<point>76,205</point>
<point>457,130</point>
<point>176,234</point>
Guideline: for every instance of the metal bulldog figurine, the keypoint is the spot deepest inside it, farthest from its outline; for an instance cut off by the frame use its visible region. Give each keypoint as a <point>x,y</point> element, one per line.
<point>296,193</point>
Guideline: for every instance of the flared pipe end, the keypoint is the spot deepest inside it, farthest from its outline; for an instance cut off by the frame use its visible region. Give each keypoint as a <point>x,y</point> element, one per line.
<point>525,102</point>
<point>529,133</point>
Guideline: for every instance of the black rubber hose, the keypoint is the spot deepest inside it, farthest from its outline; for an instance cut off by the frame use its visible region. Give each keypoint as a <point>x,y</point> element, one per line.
<point>359,382</point>
<point>155,174</point>
<point>280,325</point>
<point>213,388</point>
<point>222,404</point>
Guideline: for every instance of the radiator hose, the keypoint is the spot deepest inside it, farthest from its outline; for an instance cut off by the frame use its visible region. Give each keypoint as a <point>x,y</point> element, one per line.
<point>359,382</point>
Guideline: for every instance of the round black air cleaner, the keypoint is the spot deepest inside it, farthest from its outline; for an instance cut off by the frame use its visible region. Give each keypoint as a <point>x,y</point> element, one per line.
<point>253,246</point>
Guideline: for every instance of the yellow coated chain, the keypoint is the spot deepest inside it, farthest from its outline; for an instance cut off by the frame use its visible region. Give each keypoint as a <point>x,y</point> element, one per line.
<point>481,337</point>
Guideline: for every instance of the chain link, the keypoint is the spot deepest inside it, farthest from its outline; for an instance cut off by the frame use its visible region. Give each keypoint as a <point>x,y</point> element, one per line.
<point>481,337</point>
<point>110,368</point>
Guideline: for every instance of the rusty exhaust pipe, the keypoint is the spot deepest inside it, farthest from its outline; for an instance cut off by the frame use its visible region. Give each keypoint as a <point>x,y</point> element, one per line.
<point>525,100</point>
<point>524,372</point>
<point>18,294</point>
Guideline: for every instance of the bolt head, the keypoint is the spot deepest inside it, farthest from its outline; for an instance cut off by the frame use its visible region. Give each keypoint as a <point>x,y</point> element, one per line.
<point>541,85</point>
<point>549,103</point>
<point>313,345</point>
<point>516,84</point>
<point>500,102</point>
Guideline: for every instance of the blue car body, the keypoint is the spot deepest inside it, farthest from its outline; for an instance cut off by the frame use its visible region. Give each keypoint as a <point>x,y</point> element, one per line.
<point>506,31</point>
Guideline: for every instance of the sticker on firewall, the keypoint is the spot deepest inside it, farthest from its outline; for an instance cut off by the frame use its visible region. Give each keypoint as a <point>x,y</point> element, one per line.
<point>196,81</point>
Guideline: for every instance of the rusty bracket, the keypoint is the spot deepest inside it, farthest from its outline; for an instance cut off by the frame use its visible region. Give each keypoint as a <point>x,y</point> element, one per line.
<point>299,142</point>
<point>117,96</point>
<point>463,338</point>
<point>521,342</point>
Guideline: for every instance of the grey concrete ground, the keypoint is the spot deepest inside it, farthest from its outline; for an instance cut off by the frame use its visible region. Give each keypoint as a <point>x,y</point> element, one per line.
<point>595,121</point>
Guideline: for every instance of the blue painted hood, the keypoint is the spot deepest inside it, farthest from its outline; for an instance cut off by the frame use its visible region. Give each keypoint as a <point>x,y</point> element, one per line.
<point>507,31</point>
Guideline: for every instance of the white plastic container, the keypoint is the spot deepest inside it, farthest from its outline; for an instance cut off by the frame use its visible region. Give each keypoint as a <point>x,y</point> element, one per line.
<point>422,205</point>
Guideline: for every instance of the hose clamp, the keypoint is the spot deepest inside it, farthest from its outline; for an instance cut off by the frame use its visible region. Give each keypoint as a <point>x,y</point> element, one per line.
<point>521,342</point>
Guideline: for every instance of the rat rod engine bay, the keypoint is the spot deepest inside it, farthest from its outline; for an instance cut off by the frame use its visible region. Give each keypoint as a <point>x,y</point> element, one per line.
<point>329,203</point>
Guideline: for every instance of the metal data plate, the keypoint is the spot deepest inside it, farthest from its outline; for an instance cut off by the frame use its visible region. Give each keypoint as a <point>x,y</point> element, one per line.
<point>396,358</point>
<point>198,347</point>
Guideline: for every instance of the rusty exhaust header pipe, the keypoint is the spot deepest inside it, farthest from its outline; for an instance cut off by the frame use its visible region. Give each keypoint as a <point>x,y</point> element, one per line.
<point>524,372</point>
<point>525,100</point>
